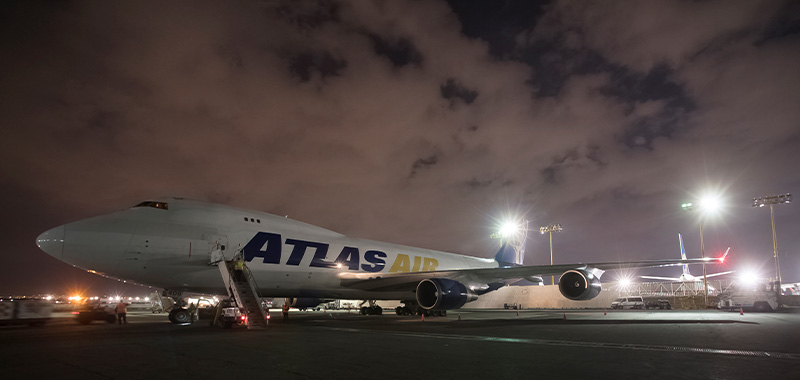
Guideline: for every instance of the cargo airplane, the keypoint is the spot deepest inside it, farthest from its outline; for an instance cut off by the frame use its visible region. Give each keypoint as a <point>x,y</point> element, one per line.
<point>168,243</point>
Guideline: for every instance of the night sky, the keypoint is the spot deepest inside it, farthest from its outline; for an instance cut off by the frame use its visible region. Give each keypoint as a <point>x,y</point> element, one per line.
<point>415,122</point>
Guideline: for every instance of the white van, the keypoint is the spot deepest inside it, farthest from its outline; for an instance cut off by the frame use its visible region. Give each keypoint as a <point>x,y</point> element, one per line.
<point>632,302</point>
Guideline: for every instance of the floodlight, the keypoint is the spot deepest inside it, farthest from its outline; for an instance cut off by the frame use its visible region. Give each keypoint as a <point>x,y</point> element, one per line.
<point>772,200</point>
<point>508,229</point>
<point>749,278</point>
<point>710,204</point>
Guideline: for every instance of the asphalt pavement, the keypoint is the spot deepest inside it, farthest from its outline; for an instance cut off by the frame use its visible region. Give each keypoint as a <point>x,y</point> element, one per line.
<point>483,344</point>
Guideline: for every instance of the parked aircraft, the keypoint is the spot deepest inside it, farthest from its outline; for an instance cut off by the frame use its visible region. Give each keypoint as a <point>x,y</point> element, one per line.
<point>168,244</point>
<point>686,276</point>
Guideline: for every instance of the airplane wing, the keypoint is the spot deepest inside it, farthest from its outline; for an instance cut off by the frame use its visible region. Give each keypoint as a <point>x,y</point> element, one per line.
<point>661,278</point>
<point>406,281</point>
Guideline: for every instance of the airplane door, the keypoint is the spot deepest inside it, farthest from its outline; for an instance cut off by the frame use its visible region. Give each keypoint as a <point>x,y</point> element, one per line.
<point>221,241</point>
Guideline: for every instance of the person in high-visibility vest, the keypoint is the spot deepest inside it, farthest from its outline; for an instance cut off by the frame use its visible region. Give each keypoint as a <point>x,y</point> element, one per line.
<point>286,311</point>
<point>192,311</point>
<point>122,312</point>
<point>239,264</point>
<point>238,267</point>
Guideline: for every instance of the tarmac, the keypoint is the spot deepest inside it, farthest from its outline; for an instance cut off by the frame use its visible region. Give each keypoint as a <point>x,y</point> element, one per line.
<point>483,344</point>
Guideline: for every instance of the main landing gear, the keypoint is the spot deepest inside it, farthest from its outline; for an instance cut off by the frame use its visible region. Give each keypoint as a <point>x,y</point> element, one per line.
<point>180,315</point>
<point>372,309</point>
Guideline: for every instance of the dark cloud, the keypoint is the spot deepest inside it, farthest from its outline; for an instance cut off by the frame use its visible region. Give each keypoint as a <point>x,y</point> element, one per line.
<point>304,65</point>
<point>309,14</point>
<point>453,90</point>
<point>400,51</point>
<point>423,163</point>
<point>601,117</point>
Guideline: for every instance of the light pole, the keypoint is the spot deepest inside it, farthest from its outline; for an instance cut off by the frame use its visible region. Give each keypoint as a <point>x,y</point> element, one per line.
<point>550,229</point>
<point>771,201</point>
<point>708,204</point>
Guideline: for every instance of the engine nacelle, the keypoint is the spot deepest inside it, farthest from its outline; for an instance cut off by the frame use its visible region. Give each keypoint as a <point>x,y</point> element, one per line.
<point>579,285</point>
<point>441,293</point>
<point>304,303</point>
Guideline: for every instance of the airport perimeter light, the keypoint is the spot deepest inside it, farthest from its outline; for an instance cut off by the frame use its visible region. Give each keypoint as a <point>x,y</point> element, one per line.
<point>550,229</point>
<point>771,201</point>
<point>708,205</point>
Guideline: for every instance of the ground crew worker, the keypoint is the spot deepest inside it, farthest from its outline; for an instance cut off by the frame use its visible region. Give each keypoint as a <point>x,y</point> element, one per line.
<point>122,312</point>
<point>239,264</point>
<point>192,311</point>
<point>239,269</point>
<point>286,311</point>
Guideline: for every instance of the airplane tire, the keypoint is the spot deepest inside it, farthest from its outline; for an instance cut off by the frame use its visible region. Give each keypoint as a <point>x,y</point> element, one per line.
<point>182,316</point>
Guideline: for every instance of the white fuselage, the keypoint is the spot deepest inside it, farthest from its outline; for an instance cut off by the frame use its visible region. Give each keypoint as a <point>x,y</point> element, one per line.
<point>170,248</point>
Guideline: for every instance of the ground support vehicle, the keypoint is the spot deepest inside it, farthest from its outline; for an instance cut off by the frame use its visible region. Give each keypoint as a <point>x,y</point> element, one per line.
<point>89,313</point>
<point>630,302</point>
<point>31,312</point>
<point>658,304</point>
<point>228,315</point>
<point>757,297</point>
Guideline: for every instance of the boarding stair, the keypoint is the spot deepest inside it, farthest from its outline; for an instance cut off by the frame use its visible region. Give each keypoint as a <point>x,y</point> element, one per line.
<point>241,286</point>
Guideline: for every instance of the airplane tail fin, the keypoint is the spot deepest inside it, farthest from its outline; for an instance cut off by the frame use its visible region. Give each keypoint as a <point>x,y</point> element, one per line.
<point>512,249</point>
<point>683,255</point>
<point>510,255</point>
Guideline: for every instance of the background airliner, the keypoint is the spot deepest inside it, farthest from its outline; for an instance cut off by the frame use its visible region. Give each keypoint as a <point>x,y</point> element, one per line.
<point>168,243</point>
<point>686,276</point>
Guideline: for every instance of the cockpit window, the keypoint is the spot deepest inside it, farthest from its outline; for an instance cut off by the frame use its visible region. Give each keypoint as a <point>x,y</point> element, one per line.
<point>161,205</point>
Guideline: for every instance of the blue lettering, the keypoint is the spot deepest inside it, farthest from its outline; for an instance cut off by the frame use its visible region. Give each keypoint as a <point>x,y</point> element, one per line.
<point>319,256</point>
<point>299,250</point>
<point>348,257</point>
<point>264,245</point>
<point>376,259</point>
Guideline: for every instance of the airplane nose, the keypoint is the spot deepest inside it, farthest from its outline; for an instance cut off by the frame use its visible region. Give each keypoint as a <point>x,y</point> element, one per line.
<point>52,242</point>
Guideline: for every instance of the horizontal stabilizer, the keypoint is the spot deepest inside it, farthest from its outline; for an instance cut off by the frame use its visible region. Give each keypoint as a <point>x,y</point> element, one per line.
<point>661,278</point>
<point>719,274</point>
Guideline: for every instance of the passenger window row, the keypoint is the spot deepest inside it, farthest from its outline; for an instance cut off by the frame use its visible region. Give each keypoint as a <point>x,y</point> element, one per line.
<point>252,220</point>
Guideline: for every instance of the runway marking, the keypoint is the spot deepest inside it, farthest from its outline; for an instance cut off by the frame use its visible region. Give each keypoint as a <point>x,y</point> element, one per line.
<point>566,343</point>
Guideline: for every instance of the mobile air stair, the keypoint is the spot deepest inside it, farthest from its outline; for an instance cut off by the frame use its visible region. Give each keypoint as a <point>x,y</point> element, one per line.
<point>241,286</point>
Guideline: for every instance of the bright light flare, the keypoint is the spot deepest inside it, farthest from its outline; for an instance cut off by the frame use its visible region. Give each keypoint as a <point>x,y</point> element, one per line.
<point>508,229</point>
<point>711,204</point>
<point>749,278</point>
<point>722,259</point>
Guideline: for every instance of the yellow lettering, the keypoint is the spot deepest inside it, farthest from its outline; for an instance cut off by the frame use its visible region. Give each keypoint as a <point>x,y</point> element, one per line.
<point>429,265</point>
<point>401,264</point>
<point>417,261</point>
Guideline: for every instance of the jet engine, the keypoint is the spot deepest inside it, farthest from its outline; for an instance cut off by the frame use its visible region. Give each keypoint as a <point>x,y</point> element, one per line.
<point>304,303</point>
<point>579,285</point>
<point>441,293</point>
